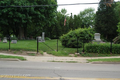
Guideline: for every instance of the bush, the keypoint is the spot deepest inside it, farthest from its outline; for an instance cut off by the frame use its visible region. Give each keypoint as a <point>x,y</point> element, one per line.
<point>83,34</point>
<point>102,48</point>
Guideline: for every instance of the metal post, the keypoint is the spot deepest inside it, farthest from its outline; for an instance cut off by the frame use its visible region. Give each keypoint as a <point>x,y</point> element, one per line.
<point>37,44</point>
<point>77,44</point>
<point>57,32</point>
<point>57,45</point>
<point>111,48</point>
<point>83,46</point>
<point>9,42</point>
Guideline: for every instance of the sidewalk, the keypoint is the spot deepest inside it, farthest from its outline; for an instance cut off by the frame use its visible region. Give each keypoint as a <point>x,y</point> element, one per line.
<point>50,58</point>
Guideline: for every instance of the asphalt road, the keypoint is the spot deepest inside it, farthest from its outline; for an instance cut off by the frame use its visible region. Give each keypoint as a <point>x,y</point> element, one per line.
<point>18,70</point>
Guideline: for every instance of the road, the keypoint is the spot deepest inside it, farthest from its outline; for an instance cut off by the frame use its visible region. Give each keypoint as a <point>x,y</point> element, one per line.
<point>25,70</point>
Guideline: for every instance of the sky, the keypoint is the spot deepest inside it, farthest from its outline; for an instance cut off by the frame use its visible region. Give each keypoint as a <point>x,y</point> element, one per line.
<point>75,9</point>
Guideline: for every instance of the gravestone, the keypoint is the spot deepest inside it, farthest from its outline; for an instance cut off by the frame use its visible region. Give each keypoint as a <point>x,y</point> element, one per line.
<point>5,40</point>
<point>97,37</point>
<point>39,39</point>
<point>43,36</point>
<point>14,41</point>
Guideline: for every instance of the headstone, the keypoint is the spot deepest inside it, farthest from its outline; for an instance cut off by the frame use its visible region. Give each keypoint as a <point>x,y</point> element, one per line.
<point>14,41</point>
<point>39,39</point>
<point>5,40</point>
<point>97,37</point>
<point>43,36</point>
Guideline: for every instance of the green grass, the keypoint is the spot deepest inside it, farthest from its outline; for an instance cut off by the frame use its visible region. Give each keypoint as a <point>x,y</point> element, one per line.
<point>97,55</point>
<point>49,46</point>
<point>16,57</point>
<point>32,54</point>
<point>105,60</point>
<point>31,45</point>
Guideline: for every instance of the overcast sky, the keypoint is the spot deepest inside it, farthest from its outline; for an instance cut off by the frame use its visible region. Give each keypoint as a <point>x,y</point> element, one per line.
<point>75,9</point>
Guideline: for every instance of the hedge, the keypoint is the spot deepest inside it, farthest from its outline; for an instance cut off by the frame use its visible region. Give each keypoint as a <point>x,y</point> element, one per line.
<point>82,34</point>
<point>102,48</point>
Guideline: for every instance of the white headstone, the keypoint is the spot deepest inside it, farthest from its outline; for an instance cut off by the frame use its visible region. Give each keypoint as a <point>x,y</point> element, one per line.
<point>39,39</point>
<point>97,37</point>
<point>14,41</point>
<point>5,40</point>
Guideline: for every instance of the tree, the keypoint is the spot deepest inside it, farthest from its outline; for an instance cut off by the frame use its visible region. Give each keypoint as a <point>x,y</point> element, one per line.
<point>60,22</point>
<point>117,10</point>
<point>106,21</point>
<point>77,21</point>
<point>17,20</point>
<point>108,2</point>
<point>87,17</point>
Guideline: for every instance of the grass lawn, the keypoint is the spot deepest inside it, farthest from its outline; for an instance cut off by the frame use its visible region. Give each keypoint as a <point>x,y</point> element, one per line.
<point>98,55</point>
<point>105,60</point>
<point>16,57</point>
<point>49,46</point>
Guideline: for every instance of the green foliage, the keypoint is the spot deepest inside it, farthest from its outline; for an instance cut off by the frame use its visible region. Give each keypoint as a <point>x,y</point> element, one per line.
<point>26,20</point>
<point>105,60</point>
<point>116,49</point>
<point>87,17</point>
<point>14,38</point>
<point>70,39</point>
<point>41,52</point>
<point>16,57</point>
<point>116,40</point>
<point>106,21</point>
<point>102,48</point>
<point>98,55</point>
<point>117,10</point>
<point>31,45</point>
<point>32,54</point>
<point>118,30</point>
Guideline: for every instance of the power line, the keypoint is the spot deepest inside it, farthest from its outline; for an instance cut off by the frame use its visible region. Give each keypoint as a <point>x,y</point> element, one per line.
<point>54,5</point>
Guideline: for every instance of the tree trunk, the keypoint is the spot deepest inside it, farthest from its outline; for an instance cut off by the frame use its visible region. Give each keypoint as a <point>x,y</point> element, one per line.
<point>21,33</point>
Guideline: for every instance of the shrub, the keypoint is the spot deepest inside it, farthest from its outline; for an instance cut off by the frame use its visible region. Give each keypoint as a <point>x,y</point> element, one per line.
<point>82,34</point>
<point>116,49</point>
<point>102,48</point>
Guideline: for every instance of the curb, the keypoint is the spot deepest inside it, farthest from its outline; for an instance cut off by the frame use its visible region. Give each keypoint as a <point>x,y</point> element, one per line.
<point>9,59</point>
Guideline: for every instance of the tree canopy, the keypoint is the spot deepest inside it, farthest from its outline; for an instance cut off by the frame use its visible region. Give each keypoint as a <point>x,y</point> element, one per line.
<point>106,21</point>
<point>17,20</point>
<point>87,17</point>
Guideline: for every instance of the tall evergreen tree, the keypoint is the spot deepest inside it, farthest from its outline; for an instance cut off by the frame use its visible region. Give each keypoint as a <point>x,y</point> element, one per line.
<point>106,21</point>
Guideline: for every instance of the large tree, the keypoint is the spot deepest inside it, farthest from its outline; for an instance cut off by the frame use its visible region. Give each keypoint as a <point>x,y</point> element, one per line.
<point>18,20</point>
<point>87,17</point>
<point>106,21</point>
<point>60,27</point>
<point>117,10</point>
